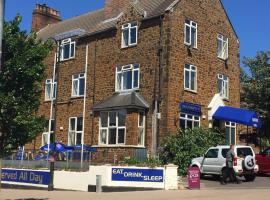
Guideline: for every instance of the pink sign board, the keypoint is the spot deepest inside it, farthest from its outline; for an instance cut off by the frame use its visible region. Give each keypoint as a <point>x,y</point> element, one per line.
<point>194,178</point>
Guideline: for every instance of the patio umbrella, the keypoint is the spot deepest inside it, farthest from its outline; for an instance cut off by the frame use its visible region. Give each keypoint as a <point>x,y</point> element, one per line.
<point>59,147</point>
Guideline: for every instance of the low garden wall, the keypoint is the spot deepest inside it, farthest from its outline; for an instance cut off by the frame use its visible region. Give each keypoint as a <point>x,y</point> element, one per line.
<point>120,177</point>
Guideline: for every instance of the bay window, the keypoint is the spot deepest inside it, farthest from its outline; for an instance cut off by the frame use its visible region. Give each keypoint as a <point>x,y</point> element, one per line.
<point>112,128</point>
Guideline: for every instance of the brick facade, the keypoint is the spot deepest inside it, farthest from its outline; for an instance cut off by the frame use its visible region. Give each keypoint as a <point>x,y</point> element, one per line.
<point>162,54</point>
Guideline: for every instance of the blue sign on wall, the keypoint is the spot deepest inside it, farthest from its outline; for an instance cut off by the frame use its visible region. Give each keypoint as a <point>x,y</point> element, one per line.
<point>25,176</point>
<point>137,175</point>
<point>190,108</point>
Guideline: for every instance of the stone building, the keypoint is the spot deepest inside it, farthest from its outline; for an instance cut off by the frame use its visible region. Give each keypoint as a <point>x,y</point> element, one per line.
<point>134,72</point>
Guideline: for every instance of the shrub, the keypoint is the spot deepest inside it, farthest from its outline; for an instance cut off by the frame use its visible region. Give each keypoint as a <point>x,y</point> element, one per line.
<point>187,144</point>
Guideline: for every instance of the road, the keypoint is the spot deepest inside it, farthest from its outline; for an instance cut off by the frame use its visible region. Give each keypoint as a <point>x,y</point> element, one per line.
<point>261,182</point>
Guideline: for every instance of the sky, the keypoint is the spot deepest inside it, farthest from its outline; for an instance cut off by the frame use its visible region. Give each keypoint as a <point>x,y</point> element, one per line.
<point>250,18</point>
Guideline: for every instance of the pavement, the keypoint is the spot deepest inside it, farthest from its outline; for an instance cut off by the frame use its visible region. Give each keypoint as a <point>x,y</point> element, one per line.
<point>239,194</point>
<point>211,189</point>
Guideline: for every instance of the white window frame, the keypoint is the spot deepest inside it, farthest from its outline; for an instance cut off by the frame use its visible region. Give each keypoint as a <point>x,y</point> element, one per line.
<point>128,27</point>
<point>224,54</point>
<point>79,76</point>
<point>190,119</point>
<point>112,127</point>
<point>141,127</point>
<point>47,133</point>
<point>231,125</point>
<point>53,86</point>
<point>224,93</point>
<point>70,43</point>
<point>191,69</point>
<point>74,132</point>
<point>191,25</point>
<point>125,68</point>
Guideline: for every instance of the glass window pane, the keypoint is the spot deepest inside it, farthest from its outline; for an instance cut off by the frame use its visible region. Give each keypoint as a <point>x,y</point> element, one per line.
<point>189,124</point>
<point>127,80</point>
<point>103,136</point>
<point>71,138</point>
<point>75,87</point>
<point>45,138</point>
<point>54,89</point>
<point>122,118</point>
<point>79,123</point>
<point>48,91</point>
<point>196,124</point>
<point>187,79</point>
<point>182,123</point>
<point>220,86</point>
<point>136,79</point>
<point>104,119</point>
<point>112,117</point>
<point>119,81</point>
<point>133,35</point>
<point>72,50</point>
<point>141,117</point>
<point>112,136</point>
<point>125,37</point>
<point>52,125</point>
<point>193,81</point>
<point>233,136</point>
<point>219,48</point>
<point>72,124</point>
<point>82,83</point>
<point>121,136</point>
<point>141,136</point>
<point>187,35</point>
<point>66,49</point>
<point>78,138</point>
<point>193,37</point>
<point>227,132</point>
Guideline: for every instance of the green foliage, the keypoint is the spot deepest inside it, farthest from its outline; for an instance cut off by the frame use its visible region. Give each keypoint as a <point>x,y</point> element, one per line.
<point>147,163</point>
<point>20,86</point>
<point>255,93</point>
<point>187,144</point>
<point>265,142</point>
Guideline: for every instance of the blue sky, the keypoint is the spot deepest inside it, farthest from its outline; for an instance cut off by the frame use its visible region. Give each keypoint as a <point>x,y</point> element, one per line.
<point>249,17</point>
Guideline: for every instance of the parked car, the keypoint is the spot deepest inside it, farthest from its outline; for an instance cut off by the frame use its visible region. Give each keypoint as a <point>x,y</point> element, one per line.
<point>214,162</point>
<point>263,160</point>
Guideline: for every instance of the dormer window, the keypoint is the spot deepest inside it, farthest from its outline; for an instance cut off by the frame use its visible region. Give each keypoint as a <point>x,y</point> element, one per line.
<point>129,34</point>
<point>67,49</point>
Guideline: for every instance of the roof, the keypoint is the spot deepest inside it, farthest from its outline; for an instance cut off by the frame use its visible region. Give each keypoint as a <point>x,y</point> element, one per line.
<point>238,115</point>
<point>96,21</point>
<point>122,100</point>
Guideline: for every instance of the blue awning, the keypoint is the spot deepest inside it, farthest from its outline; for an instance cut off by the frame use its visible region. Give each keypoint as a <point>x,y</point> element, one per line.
<point>238,115</point>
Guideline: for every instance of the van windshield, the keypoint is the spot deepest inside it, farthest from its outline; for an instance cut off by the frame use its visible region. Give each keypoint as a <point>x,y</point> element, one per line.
<point>244,151</point>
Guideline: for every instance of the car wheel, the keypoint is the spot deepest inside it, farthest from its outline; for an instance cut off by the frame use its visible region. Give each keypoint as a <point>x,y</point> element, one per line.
<point>250,177</point>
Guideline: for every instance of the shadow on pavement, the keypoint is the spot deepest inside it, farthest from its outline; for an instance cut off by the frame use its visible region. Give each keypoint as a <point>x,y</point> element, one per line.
<point>29,199</point>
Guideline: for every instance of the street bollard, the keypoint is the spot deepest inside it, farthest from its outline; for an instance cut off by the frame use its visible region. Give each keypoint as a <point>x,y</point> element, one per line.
<point>98,183</point>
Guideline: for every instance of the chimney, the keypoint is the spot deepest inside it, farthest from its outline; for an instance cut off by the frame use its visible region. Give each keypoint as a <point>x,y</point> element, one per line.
<point>114,7</point>
<point>44,15</point>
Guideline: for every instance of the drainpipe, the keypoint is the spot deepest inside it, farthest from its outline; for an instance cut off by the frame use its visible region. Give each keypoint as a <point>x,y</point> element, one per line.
<point>157,92</point>
<point>94,92</point>
<point>84,100</point>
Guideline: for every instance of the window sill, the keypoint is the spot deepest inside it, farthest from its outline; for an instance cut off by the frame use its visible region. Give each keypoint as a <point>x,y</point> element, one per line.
<point>187,45</point>
<point>67,59</point>
<point>49,101</point>
<point>222,59</point>
<point>191,91</point>
<point>119,146</point>
<point>77,97</point>
<point>129,46</point>
<point>127,91</point>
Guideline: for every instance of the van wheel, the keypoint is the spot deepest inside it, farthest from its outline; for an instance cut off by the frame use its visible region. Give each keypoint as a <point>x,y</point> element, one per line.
<point>250,177</point>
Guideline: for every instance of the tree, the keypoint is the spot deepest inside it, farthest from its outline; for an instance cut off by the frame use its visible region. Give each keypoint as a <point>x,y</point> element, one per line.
<point>20,86</point>
<point>187,144</point>
<point>255,92</point>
